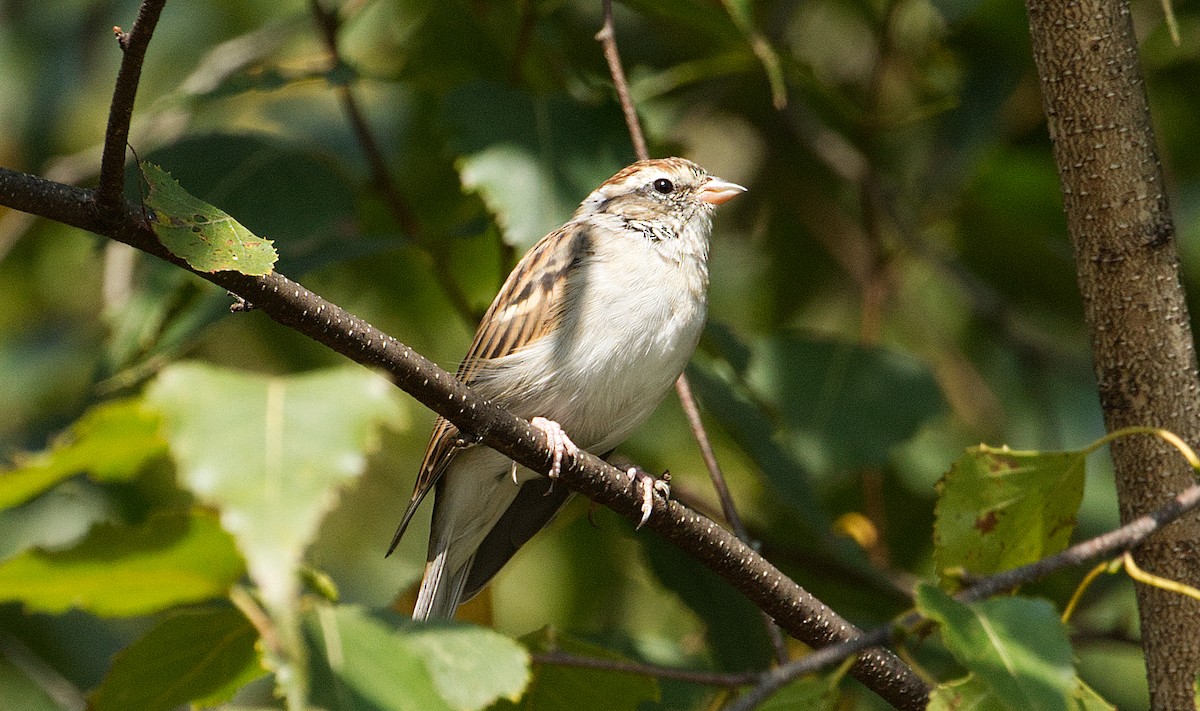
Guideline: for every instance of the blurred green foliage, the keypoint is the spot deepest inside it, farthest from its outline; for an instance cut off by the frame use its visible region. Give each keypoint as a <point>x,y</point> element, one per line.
<point>896,286</point>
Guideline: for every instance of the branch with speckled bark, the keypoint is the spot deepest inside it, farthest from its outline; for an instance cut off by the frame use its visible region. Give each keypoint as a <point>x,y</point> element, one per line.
<point>106,212</point>
<point>797,611</point>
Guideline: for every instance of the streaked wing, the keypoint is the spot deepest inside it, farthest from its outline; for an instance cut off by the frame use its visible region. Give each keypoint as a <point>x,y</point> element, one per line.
<point>527,308</point>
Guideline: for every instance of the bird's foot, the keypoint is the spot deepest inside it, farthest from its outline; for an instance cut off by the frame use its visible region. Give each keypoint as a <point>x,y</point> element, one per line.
<point>648,485</point>
<point>560,445</point>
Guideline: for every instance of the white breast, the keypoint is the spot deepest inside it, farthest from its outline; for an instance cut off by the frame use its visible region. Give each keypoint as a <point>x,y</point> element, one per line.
<point>634,314</point>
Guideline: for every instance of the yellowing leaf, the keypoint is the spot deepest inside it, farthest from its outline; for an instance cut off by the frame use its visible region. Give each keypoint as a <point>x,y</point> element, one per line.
<point>203,235</point>
<point>998,509</point>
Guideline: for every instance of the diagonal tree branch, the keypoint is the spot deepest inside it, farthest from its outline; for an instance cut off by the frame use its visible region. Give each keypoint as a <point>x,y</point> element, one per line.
<point>290,304</point>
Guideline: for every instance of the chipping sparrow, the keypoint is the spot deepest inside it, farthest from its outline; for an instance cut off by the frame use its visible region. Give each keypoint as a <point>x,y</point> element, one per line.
<point>586,337</point>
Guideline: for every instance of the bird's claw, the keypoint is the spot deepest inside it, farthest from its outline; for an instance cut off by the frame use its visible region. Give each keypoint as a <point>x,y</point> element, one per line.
<point>560,445</point>
<point>648,485</point>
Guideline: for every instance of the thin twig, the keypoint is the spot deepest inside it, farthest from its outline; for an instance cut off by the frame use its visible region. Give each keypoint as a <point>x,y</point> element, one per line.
<point>728,508</point>
<point>381,176</point>
<point>110,192</point>
<point>608,41</point>
<point>563,659</point>
<point>1105,545</point>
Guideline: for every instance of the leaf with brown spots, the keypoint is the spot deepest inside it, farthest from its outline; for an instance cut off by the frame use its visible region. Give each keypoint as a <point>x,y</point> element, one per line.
<point>205,236</point>
<point>998,509</point>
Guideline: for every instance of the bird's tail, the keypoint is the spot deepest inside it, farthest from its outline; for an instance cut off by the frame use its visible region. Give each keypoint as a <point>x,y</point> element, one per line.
<point>441,589</point>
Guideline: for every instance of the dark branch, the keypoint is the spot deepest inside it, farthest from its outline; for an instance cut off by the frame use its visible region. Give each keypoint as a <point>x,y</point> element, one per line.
<point>564,659</point>
<point>110,194</point>
<point>1103,546</point>
<point>608,40</point>
<point>792,607</point>
<point>728,508</point>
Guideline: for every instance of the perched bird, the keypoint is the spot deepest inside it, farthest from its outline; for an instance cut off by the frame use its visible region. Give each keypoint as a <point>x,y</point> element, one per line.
<point>586,336</point>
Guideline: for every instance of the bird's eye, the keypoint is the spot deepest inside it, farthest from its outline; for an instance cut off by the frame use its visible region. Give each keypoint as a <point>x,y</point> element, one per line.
<point>664,186</point>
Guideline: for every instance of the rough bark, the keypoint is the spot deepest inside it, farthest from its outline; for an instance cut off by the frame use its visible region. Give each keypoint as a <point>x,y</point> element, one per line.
<point>1123,238</point>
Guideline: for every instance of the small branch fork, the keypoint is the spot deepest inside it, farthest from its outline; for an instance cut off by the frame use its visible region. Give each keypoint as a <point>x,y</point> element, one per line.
<point>1106,545</point>
<point>110,194</point>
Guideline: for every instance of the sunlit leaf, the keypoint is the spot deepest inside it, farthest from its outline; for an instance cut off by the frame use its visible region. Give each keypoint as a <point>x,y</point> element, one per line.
<point>999,509</point>
<point>471,666</point>
<point>450,666</point>
<point>532,158</point>
<point>271,453</point>
<point>111,442</point>
<point>190,655</point>
<point>121,571</point>
<point>203,235</point>
<point>361,664</point>
<point>1016,646</point>
<point>289,190</point>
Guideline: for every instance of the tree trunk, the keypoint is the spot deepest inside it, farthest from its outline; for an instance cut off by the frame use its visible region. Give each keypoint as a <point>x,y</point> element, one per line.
<point>1127,265</point>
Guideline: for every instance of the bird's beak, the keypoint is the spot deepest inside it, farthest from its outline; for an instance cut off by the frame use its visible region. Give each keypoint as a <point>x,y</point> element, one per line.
<point>717,191</point>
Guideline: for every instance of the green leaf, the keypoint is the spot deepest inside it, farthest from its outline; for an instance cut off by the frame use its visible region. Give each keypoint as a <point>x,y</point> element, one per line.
<point>1016,646</point>
<point>289,190</point>
<point>203,235</point>
<point>973,694</point>
<point>998,509</point>
<point>122,571</point>
<point>19,689</point>
<point>190,655</point>
<point>966,694</point>
<point>471,666</point>
<point>271,453</point>
<point>845,404</point>
<point>361,664</point>
<point>54,520</point>
<point>563,688</point>
<point>111,442</point>
<point>754,432</point>
<point>532,159</point>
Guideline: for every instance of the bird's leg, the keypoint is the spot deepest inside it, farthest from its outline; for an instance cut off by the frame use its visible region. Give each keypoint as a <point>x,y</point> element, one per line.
<point>560,444</point>
<point>648,485</point>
